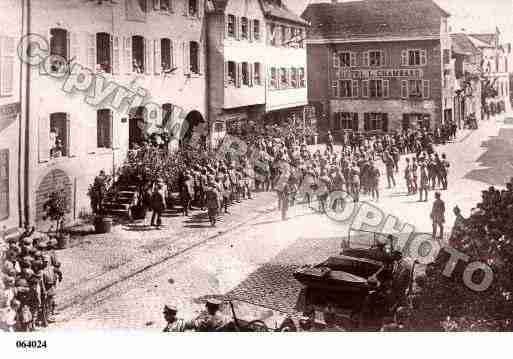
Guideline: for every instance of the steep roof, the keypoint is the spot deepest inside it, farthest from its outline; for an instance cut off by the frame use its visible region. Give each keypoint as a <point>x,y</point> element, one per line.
<point>374,18</point>
<point>278,10</point>
<point>462,45</point>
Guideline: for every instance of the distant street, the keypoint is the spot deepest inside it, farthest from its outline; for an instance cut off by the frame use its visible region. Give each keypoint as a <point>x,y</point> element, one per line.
<point>246,260</point>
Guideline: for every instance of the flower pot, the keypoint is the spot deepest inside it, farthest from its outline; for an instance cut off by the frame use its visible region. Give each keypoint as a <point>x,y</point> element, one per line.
<point>102,224</point>
<point>63,240</point>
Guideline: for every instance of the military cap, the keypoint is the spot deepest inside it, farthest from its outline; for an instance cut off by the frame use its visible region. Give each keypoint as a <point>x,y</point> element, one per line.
<point>38,254</point>
<point>37,264</point>
<point>27,272</point>
<point>27,241</point>
<point>21,282</point>
<point>213,302</point>
<point>168,308</point>
<point>9,280</point>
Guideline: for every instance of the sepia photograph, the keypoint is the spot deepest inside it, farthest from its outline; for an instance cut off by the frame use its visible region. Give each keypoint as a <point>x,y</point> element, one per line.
<point>255,166</point>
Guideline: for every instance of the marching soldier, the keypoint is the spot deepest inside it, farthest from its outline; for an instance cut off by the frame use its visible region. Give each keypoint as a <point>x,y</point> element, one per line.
<point>213,202</point>
<point>173,323</point>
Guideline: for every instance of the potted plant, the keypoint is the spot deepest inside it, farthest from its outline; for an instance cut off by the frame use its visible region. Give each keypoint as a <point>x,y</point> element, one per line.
<point>97,192</point>
<point>56,208</point>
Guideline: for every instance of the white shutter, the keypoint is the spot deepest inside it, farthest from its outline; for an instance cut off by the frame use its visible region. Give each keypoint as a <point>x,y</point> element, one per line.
<point>250,73</point>
<point>171,6</point>
<point>404,88</point>
<point>239,74</point>
<point>226,26</point>
<point>7,54</point>
<point>365,88</point>
<point>174,54</point>
<point>336,60</point>
<point>116,60</point>
<point>73,136</point>
<point>365,58</point>
<point>425,89</point>
<point>334,88</point>
<point>115,131</point>
<point>157,65</point>
<point>92,135</point>
<point>250,30</point>
<point>186,58</point>
<point>128,55</point>
<point>201,62</point>
<point>226,74</point>
<point>353,59</point>
<point>237,28</point>
<point>185,7</point>
<point>423,57</point>
<point>91,52</point>
<point>148,58</point>
<point>404,57</point>
<point>43,136</point>
<point>386,88</point>
<point>74,48</point>
<point>156,5</point>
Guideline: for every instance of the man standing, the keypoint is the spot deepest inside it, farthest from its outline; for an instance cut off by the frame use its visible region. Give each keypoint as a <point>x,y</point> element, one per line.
<point>424,181</point>
<point>374,181</point>
<point>444,168</point>
<point>157,205</point>
<point>390,165</point>
<point>213,202</point>
<point>354,174</point>
<point>173,324</point>
<point>438,216</point>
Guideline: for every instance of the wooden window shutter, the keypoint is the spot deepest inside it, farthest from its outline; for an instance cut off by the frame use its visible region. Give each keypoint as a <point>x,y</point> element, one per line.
<point>128,54</point>
<point>115,132</point>
<point>334,88</point>
<point>72,137</point>
<point>366,122</point>
<point>149,56</point>
<point>355,121</point>
<point>365,58</point>
<point>385,122</point>
<point>404,57</point>
<point>74,48</point>
<point>91,52</point>
<point>186,58</point>
<point>110,132</point>
<point>425,89</point>
<point>201,8</point>
<point>336,60</point>
<point>353,59</point>
<point>251,71</point>
<point>365,88</point>
<point>157,60</point>
<point>8,53</point>
<point>354,89</point>
<point>237,28</point>
<point>239,74</point>
<point>201,61</point>
<point>250,30</point>
<point>116,60</point>
<point>226,18</point>
<point>423,57</point>
<point>156,5</point>
<point>174,54</point>
<point>226,78</point>
<point>386,88</point>
<point>186,7</point>
<point>43,137</point>
<point>404,88</point>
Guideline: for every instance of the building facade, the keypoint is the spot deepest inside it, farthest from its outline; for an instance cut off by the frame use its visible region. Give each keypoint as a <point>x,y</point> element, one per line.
<point>379,65</point>
<point>147,66</point>
<point>11,150</point>
<point>257,66</point>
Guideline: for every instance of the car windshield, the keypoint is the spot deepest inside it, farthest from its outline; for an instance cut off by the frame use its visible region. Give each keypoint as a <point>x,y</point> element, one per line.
<point>360,239</point>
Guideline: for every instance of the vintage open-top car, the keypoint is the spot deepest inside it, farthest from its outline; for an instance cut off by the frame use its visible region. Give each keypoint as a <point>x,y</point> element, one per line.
<point>369,279</point>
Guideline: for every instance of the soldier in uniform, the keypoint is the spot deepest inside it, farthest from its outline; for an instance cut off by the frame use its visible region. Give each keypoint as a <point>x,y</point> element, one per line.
<point>50,277</point>
<point>213,201</point>
<point>174,324</point>
<point>210,320</point>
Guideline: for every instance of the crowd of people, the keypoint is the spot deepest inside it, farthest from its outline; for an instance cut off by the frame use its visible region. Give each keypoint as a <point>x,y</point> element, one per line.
<point>30,274</point>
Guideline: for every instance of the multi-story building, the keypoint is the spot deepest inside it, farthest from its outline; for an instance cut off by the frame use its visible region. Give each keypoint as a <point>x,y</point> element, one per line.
<point>495,68</point>
<point>379,65</point>
<point>147,60</point>
<point>468,72</point>
<point>256,63</point>
<point>11,129</point>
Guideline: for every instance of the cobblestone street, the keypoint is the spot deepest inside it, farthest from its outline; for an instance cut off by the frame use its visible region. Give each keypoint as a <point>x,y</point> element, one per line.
<point>123,280</point>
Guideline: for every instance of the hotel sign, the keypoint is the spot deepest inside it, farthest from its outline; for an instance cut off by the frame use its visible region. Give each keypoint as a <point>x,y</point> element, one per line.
<point>380,74</point>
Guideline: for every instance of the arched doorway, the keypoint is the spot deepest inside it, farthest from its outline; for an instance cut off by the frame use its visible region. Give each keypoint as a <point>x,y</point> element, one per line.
<point>136,126</point>
<point>193,124</point>
<point>55,180</point>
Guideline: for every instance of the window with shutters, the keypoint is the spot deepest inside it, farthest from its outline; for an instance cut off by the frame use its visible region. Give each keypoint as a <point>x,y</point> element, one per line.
<point>365,88</point>
<point>232,73</point>
<point>167,113</point>
<point>375,88</point>
<point>193,7</point>
<point>283,36</point>
<point>293,78</point>
<point>194,54</point>
<point>274,78</point>
<point>256,30</point>
<point>404,88</point>
<point>231,26</point>
<point>414,57</point>
<point>345,88</point>
<point>59,135</point>
<point>426,89</point>
<point>344,120</point>
<point>138,53</point>
<point>59,48</point>
<point>257,74</point>
<point>7,57</point>
<point>345,59</point>
<point>103,52</point>
<point>104,128</point>
<point>376,58</point>
<point>302,77</point>
<point>376,121</point>
<point>245,73</point>
<point>355,88</point>
<point>415,88</point>
<point>302,38</point>
<point>386,88</point>
<point>284,81</point>
<point>244,26</point>
<point>166,55</point>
